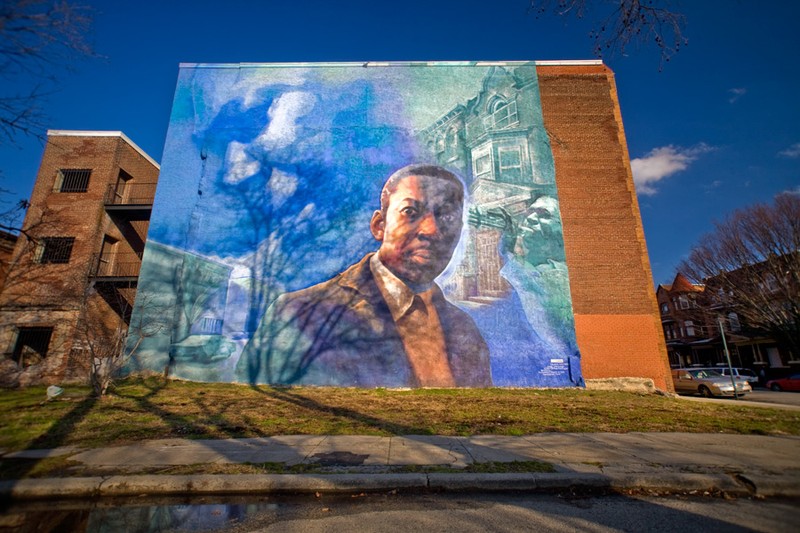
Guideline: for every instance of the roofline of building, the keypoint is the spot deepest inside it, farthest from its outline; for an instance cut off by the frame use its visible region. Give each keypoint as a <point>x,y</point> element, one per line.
<point>86,133</point>
<point>565,62</point>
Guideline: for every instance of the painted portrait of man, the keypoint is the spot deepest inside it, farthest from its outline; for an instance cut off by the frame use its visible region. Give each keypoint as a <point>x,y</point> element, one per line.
<point>383,321</point>
<point>369,225</point>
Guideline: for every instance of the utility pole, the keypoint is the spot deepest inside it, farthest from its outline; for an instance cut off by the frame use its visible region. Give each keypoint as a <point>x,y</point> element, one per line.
<point>727,356</point>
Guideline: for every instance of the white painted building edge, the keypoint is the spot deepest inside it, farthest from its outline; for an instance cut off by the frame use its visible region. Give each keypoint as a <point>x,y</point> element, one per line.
<point>367,64</point>
<point>82,133</point>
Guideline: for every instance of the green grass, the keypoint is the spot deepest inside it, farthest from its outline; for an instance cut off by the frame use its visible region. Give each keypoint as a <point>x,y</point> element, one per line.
<point>156,409</point>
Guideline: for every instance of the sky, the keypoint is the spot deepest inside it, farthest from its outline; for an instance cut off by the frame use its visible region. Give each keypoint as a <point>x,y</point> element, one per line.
<point>715,129</point>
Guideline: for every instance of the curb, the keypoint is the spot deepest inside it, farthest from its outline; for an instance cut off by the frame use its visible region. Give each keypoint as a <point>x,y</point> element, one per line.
<point>221,485</point>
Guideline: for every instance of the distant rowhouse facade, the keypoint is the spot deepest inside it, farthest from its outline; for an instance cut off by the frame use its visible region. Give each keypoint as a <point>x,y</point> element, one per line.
<point>691,315</point>
<point>91,205</point>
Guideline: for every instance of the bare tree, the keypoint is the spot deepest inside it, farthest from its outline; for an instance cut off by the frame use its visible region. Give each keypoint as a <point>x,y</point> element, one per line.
<point>11,216</point>
<point>38,38</point>
<point>104,343</point>
<point>618,24</point>
<point>750,263</point>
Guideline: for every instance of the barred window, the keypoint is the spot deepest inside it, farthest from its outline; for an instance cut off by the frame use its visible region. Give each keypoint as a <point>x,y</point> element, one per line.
<point>32,345</point>
<point>73,179</point>
<point>54,250</point>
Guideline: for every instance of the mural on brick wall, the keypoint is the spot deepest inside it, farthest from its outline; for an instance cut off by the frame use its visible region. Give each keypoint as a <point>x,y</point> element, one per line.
<point>392,225</point>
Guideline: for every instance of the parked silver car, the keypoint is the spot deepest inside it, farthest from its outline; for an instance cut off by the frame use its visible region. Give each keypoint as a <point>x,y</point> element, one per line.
<point>706,382</point>
<point>739,373</point>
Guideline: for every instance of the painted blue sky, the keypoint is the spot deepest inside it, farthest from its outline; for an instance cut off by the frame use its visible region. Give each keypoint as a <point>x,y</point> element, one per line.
<point>717,129</point>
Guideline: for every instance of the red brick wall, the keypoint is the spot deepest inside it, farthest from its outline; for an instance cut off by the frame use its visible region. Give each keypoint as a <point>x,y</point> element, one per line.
<point>53,294</point>
<point>616,315</point>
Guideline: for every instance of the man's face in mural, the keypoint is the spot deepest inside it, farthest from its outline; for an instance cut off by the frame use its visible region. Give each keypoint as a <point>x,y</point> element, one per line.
<point>540,232</point>
<point>420,227</point>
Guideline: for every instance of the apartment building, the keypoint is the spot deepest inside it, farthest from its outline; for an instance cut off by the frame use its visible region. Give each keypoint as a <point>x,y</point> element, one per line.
<point>74,270</point>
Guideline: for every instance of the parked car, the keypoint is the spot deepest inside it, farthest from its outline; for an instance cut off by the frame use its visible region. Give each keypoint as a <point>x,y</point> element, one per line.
<point>739,373</point>
<point>789,383</point>
<point>706,382</point>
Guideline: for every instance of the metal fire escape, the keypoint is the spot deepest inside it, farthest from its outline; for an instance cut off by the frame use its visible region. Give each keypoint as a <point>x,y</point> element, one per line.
<point>115,274</point>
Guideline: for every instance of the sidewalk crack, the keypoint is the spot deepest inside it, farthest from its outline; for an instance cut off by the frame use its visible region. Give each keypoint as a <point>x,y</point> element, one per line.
<point>313,450</point>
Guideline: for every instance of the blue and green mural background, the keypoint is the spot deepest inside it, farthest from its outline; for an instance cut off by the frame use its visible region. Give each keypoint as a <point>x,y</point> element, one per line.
<point>270,175</point>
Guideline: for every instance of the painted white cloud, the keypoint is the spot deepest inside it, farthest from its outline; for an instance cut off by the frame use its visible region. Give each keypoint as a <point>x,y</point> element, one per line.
<point>792,152</point>
<point>736,93</point>
<point>661,163</point>
<point>283,113</point>
<point>239,164</point>
<point>282,185</point>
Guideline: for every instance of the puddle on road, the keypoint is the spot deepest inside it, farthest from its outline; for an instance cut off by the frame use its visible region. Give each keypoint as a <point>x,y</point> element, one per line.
<point>149,516</point>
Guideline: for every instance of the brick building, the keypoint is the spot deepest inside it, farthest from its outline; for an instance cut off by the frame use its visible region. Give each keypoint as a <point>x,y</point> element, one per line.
<point>91,205</point>
<point>490,140</point>
<point>7,243</point>
<point>690,317</point>
<point>74,269</point>
<point>616,316</point>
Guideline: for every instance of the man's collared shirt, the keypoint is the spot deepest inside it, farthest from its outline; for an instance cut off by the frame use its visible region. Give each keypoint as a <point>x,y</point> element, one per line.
<point>418,323</point>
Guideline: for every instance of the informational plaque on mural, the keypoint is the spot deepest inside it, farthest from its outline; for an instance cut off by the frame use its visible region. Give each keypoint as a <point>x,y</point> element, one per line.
<point>368,225</point>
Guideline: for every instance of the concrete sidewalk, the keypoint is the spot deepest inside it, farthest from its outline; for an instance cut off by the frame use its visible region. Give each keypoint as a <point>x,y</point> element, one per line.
<point>668,462</point>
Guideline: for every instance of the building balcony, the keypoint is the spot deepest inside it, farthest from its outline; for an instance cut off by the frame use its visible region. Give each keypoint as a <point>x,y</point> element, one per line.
<point>122,266</point>
<point>130,194</point>
<point>133,201</point>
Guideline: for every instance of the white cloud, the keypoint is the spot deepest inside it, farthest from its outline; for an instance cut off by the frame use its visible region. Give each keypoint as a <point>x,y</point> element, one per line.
<point>283,113</point>
<point>282,185</point>
<point>796,190</point>
<point>239,163</point>
<point>661,163</point>
<point>792,152</point>
<point>736,93</point>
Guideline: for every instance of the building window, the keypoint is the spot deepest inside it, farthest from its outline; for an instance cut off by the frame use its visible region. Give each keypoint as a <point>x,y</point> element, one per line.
<point>73,179</point>
<point>510,164</point>
<point>689,328</point>
<point>209,326</point>
<point>31,346</point>
<point>664,308</point>
<point>684,302</point>
<point>772,283</point>
<point>503,115</point>
<point>482,163</point>
<point>54,250</point>
<point>451,139</point>
<point>733,320</point>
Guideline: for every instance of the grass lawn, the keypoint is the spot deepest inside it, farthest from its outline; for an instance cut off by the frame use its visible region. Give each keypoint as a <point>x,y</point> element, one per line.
<point>139,410</point>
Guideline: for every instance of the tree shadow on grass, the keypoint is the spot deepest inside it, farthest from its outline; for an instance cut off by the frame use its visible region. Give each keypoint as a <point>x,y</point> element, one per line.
<point>54,437</point>
<point>393,428</point>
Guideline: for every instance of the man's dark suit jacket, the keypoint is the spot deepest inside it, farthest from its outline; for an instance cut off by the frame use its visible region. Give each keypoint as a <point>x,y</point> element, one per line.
<point>340,332</point>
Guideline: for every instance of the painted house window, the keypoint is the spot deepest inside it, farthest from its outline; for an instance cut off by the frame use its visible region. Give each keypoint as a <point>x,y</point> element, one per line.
<point>451,138</point>
<point>54,250</point>
<point>31,345</point>
<point>72,179</point>
<point>210,326</point>
<point>482,162</point>
<point>503,115</point>
<point>510,164</point>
